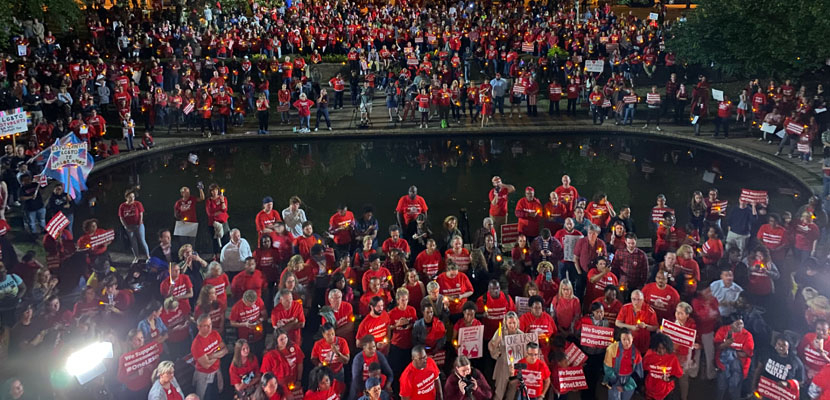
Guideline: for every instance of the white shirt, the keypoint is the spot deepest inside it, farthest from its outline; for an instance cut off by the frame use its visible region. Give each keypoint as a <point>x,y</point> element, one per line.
<point>294,221</point>
<point>723,293</point>
<point>234,254</point>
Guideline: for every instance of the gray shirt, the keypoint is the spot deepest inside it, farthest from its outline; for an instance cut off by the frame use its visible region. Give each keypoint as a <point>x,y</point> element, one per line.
<point>499,87</point>
<point>294,221</point>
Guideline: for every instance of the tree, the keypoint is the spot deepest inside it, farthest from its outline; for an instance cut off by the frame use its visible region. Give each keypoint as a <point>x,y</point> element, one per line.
<point>783,38</point>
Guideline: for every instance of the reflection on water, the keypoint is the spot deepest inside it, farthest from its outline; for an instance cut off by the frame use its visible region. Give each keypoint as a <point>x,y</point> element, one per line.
<point>450,174</point>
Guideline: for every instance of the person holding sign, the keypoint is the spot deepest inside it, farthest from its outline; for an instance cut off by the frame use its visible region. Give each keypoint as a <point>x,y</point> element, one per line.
<point>596,318</point>
<point>134,366</point>
<point>498,351</point>
<point>782,367</point>
<point>684,354</point>
<point>662,368</point>
<point>622,363</point>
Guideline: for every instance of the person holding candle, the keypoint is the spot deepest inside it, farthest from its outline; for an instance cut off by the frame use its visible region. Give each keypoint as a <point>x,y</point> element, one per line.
<point>662,368</point>
<point>814,348</point>
<point>639,318</point>
<point>504,362</point>
<point>244,370</point>
<point>285,361</point>
<point>529,212</point>
<point>456,287</point>
<point>207,349</point>
<point>402,318</point>
<point>630,264</point>
<point>331,351</point>
<point>247,316</point>
<point>216,207</point>
<point>376,324</point>
<point>586,250</point>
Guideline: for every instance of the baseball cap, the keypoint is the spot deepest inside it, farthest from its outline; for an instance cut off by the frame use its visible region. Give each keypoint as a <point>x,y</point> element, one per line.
<point>372,382</point>
<point>529,189</point>
<point>267,199</point>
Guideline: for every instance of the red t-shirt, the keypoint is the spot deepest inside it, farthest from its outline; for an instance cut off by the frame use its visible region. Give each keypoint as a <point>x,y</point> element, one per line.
<point>264,219</point>
<point>528,222</point>
<point>180,287</point>
<point>544,326</point>
<point>496,308</point>
<point>246,372</point>
<point>535,376</point>
<point>655,367</point>
<point>566,311</point>
<point>390,244</point>
<point>663,301</point>
<point>342,315</point>
<point>500,208</point>
<point>429,264</point>
<point>642,337</point>
<point>131,213</point>
<point>375,326</point>
<point>811,357</point>
<point>185,209</point>
<point>597,289</point>
<point>303,107</point>
<point>221,284</point>
<point>420,384</point>
<point>742,342</point>
<point>344,235</point>
<point>176,322</point>
<point>206,345</point>
<point>462,259</point>
<point>244,281</point>
<point>280,313</point>
<point>611,310</point>
<point>411,208</point>
<point>454,286</point>
<point>402,337</point>
<point>135,373</point>
<point>240,312</point>
<point>322,352</point>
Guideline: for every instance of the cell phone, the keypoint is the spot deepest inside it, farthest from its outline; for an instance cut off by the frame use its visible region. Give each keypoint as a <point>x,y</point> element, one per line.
<point>200,185</point>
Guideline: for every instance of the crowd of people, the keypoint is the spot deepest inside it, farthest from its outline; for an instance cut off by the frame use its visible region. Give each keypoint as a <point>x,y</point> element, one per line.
<point>243,323</point>
<point>392,301</point>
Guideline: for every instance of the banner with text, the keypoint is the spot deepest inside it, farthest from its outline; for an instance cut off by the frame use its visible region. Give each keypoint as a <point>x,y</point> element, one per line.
<point>516,344</point>
<point>12,121</point>
<point>68,154</point>
<point>571,379</point>
<point>681,336</point>
<point>597,337</point>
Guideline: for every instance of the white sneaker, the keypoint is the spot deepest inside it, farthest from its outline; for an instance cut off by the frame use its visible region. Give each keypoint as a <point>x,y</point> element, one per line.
<point>329,128</point>
<point>645,126</point>
<point>315,129</point>
<point>658,129</point>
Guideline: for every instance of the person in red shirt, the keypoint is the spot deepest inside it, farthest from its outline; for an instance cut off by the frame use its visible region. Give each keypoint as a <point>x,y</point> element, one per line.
<point>599,278</point>
<point>341,228</point>
<point>303,106</point>
<point>554,96</point>
<point>622,365</point>
<point>377,271</point>
<point>814,348</point>
<point>244,370</point>
<point>661,297</point>
<point>573,94</point>
<point>539,322</point>
<point>661,368</point>
<point>216,207</point>
<point>331,351</point>
<point>555,213</point>
<point>421,378</point>
<point>284,361</point>
<point>723,117</point>
<point>775,238</point>
<point>493,306</point>
<point>610,305</point>
<point>395,242</point>
<point>712,250</point>
<point>498,202</point>
<point>135,374</point>
<point>131,214</point>
<point>429,262</point>
<point>639,318</point>
<point>247,316</point>
<point>567,194</point>
<point>733,337</point>
<point>456,287</point>
<point>408,208</point>
<point>184,209</point>
<point>207,349</point>
<point>402,319</point>
<point>375,323</point>
<point>249,279</point>
<point>267,218</point>
<point>529,212</point>
<point>288,315</point>
<point>600,211</point>
<point>806,237</point>
<point>536,375</point>
<point>565,308</point>
<point>178,286</point>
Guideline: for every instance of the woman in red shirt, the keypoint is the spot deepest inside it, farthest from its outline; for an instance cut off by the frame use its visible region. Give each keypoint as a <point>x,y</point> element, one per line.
<point>262,107</point>
<point>266,260</point>
<point>661,368</point>
<point>416,288</point>
<point>303,106</point>
<point>91,230</point>
<point>566,309</point>
<point>685,354</point>
<point>322,386</point>
<point>216,207</point>
<point>712,249</point>
<point>244,369</point>
<point>806,237</point>
<point>422,99</point>
<point>285,361</point>
<point>208,303</point>
<point>131,214</point>
<point>598,278</point>
<point>284,98</point>
<point>458,254</point>
<point>546,281</point>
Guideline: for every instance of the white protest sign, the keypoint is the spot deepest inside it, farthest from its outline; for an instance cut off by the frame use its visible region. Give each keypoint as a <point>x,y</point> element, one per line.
<point>653,16</point>
<point>186,229</point>
<point>768,128</point>
<point>717,94</point>
<point>471,341</point>
<point>516,344</point>
<point>594,66</point>
<point>568,244</point>
<point>68,154</point>
<point>12,121</point>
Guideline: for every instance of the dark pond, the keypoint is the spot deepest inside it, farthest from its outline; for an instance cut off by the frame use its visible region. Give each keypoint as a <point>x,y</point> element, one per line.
<point>451,174</point>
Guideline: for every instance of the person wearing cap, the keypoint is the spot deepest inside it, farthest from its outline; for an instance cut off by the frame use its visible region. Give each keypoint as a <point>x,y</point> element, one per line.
<point>341,228</point>
<point>498,198</point>
<point>421,380</point>
<point>266,218</point>
<point>361,372</point>
<point>529,212</point>
<point>373,391</point>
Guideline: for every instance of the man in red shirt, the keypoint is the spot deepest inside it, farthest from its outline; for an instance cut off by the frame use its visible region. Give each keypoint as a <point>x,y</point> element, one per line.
<point>493,306</point>
<point>554,96</point>
<point>723,117</point>
<point>661,297</point>
<point>429,263</point>
<point>409,207</point>
<point>775,238</point>
<point>207,350</point>
<point>567,194</point>
<point>529,212</point>
<point>420,380</point>
<point>395,242</point>
<point>455,287</point>
<point>735,337</point>
<point>341,227</point>
<point>498,203</point>
<point>640,318</point>
<point>586,250</point>
<point>536,374</point>
<point>249,279</point>
<point>376,323</point>
<point>178,286</point>
<point>288,315</point>
<point>247,316</point>
<point>331,351</point>
<point>266,218</point>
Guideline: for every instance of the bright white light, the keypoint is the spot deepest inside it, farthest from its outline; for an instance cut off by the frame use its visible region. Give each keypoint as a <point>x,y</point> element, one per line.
<point>87,358</point>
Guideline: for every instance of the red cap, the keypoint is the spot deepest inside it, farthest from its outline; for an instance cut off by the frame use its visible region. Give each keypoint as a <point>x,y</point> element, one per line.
<point>529,189</point>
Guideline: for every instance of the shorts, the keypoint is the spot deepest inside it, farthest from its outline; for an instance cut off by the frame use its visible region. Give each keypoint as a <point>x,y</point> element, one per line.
<point>391,103</point>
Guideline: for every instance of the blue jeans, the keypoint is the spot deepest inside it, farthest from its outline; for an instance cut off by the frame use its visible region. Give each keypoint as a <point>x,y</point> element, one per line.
<point>614,394</point>
<point>305,122</point>
<point>629,112</point>
<point>33,218</point>
<point>137,241</point>
<point>499,104</point>
<point>730,385</point>
<point>825,182</point>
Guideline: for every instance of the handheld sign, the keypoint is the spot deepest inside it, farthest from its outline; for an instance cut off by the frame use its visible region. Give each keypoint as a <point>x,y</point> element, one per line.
<point>770,389</point>
<point>471,341</point>
<point>574,355</point>
<point>103,239</point>
<point>571,379</point>
<point>681,336</point>
<point>754,196</point>
<point>596,337</point>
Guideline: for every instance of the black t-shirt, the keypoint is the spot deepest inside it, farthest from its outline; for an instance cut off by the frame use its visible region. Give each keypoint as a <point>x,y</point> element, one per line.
<point>57,203</point>
<point>35,203</point>
<point>783,368</point>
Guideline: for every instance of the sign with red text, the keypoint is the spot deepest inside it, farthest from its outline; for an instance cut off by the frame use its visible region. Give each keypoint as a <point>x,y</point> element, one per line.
<point>516,345</point>
<point>571,379</point>
<point>574,355</point>
<point>681,336</point>
<point>471,341</point>
<point>597,337</point>
<point>754,196</point>
<point>770,389</point>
